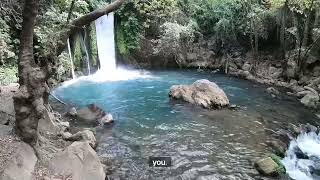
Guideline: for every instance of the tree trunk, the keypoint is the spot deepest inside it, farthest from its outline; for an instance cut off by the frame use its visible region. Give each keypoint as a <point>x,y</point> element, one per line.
<point>29,102</point>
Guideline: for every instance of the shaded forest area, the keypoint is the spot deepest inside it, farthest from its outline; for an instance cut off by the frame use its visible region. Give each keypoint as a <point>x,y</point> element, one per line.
<point>281,35</point>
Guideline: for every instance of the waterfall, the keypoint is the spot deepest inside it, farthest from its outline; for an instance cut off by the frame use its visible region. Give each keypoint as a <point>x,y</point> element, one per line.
<point>105,43</point>
<point>107,56</point>
<point>71,60</point>
<point>303,168</point>
<point>87,54</point>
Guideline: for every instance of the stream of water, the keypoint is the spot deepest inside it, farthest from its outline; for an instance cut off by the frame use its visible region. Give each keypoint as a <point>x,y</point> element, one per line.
<point>218,144</point>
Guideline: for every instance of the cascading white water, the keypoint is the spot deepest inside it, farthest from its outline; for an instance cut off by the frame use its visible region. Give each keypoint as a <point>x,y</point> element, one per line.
<point>71,60</point>
<point>105,42</point>
<point>302,169</point>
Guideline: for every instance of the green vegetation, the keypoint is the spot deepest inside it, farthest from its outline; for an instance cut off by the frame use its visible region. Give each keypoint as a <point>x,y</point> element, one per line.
<point>8,75</point>
<point>249,23</point>
<point>281,169</point>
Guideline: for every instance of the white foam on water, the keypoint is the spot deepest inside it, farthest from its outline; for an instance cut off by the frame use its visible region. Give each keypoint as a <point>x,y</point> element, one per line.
<point>299,169</point>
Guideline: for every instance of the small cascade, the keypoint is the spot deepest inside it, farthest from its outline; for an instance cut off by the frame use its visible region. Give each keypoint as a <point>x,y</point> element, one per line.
<point>71,59</point>
<point>302,161</point>
<point>87,59</point>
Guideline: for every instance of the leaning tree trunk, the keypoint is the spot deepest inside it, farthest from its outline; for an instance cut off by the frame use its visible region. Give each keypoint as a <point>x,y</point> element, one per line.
<point>28,101</point>
<point>31,101</point>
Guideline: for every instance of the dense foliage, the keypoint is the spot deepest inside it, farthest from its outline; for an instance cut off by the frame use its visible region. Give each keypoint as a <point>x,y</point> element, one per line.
<point>175,27</point>
<point>228,22</point>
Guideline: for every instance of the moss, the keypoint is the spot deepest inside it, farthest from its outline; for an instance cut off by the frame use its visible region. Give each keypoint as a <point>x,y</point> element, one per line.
<point>281,169</point>
<point>93,44</point>
<point>77,53</point>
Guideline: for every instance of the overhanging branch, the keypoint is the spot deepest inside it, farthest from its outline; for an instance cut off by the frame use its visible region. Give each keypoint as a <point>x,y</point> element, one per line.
<point>84,20</point>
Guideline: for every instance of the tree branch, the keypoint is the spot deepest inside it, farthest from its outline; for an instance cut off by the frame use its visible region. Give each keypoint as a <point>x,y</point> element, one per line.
<point>78,23</point>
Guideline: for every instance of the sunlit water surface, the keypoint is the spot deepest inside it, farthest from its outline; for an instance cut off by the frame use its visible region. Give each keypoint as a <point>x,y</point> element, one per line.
<point>203,144</point>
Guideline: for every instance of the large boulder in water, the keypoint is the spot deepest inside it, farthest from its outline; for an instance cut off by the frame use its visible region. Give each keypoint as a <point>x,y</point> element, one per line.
<point>202,92</point>
<point>78,160</point>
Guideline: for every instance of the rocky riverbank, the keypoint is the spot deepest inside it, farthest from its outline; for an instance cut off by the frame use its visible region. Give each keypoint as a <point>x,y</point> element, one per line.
<point>58,154</point>
<point>265,68</point>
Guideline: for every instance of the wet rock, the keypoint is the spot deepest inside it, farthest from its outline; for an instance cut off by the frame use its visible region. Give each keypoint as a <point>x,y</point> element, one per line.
<point>72,111</point>
<point>94,114</point>
<point>78,160</point>
<point>284,136</point>
<point>107,119</point>
<point>202,92</point>
<point>299,154</point>
<point>85,136</point>
<point>234,107</point>
<point>278,147</point>
<point>21,165</point>
<point>272,90</point>
<point>307,128</point>
<point>267,166</point>
<point>314,170</point>
<point>295,130</point>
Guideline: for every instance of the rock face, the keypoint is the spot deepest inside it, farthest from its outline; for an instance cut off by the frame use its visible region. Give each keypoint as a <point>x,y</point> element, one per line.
<point>78,160</point>
<point>202,92</point>
<point>267,166</point>
<point>21,164</point>
<point>94,114</point>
